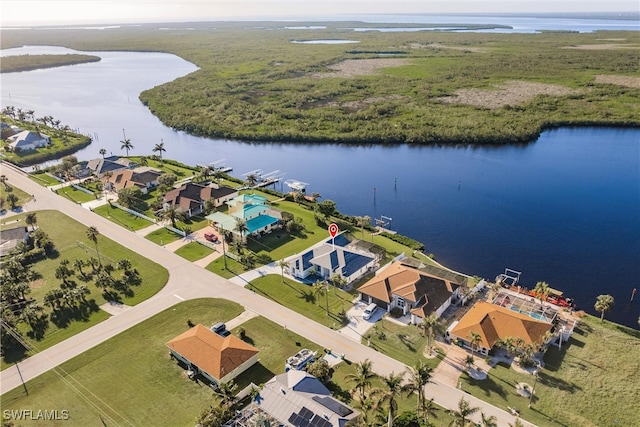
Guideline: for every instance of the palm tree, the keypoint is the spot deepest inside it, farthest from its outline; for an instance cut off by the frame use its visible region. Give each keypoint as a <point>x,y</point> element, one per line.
<point>173,213</point>
<point>419,376</point>
<point>318,288</point>
<point>542,290</point>
<point>103,152</point>
<point>469,361</point>
<point>361,221</point>
<point>393,385</point>
<point>159,148</point>
<point>241,227</point>
<point>475,339</point>
<point>126,143</point>
<point>252,179</point>
<point>31,220</point>
<point>488,421</point>
<point>362,378</point>
<point>431,325</point>
<point>3,181</point>
<point>282,264</point>
<point>603,304</point>
<point>225,393</point>
<point>92,234</point>
<point>460,416</point>
<point>12,199</point>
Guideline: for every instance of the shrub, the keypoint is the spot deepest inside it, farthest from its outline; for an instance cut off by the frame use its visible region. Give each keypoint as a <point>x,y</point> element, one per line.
<point>396,312</point>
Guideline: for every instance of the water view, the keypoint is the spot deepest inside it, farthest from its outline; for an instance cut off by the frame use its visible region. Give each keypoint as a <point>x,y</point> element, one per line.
<point>565,209</point>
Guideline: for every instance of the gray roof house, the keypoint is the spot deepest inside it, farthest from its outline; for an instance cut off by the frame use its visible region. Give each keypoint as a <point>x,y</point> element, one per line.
<point>335,256</point>
<point>297,399</point>
<point>99,167</point>
<point>27,140</point>
<point>9,238</point>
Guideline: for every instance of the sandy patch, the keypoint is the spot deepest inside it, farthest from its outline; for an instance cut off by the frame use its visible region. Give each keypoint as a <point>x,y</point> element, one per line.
<point>359,67</point>
<point>442,46</point>
<point>604,46</point>
<point>37,284</point>
<point>626,81</point>
<point>363,103</point>
<point>510,93</point>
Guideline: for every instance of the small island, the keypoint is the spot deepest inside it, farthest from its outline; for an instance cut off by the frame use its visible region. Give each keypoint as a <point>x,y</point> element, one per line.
<point>14,64</point>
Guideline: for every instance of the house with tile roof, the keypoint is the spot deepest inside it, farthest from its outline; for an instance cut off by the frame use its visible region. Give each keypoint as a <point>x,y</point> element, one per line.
<point>101,166</point>
<point>416,292</point>
<point>493,323</point>
<point>190,197</point>
<point>334,256</point>
<point>297,398</point>
<point>253,209</point>
<point>27,140</point>
<point>143,177</point>
<point>217,359</point>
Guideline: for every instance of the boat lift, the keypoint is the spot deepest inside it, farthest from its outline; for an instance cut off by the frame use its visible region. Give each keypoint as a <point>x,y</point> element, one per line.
<point>296,185</point>
<point>509,277</point>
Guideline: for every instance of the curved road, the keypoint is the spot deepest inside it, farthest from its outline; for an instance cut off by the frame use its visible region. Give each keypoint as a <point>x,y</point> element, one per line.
<point>187,281</point>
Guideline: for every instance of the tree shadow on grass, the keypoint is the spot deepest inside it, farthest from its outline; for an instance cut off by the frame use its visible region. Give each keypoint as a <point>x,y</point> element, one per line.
<point>557,383</point>
<point>338,392</point>
<point>307,297</point>
<point>257,374</point>
<point>62,317</point>
<point>407,342</point>
<point>491,385</point>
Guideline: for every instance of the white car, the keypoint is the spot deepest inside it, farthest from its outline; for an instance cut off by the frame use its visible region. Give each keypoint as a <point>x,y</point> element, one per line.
<point>368,312</point>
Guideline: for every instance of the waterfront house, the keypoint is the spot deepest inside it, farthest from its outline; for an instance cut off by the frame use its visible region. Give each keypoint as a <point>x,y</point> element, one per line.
<point>98,167</point>
<point>143,178</point>
<point>209,355</point>
<point>494,323</point>
<point>334,256</point>
<point>253,210</point>
<point>190,197</point>
<point>297,398</point>
<point>417,293</point>
<point>27,140</point>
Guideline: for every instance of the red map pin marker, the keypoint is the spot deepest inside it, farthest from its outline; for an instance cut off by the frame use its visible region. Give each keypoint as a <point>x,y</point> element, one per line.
<point>333,229</point>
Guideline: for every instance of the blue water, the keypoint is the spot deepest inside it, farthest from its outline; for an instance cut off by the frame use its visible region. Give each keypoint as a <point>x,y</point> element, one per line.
<point>565,209</point>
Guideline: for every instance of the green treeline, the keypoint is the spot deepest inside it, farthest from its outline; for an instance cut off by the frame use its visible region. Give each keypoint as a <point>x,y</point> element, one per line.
<point>254,84</point>
<point>12,64</point>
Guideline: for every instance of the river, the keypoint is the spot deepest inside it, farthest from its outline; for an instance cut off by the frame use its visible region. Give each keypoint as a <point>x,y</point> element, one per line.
<point>564,209</point>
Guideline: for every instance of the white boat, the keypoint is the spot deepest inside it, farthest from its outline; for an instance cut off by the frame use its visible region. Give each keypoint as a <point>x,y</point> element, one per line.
<point>300,359</point>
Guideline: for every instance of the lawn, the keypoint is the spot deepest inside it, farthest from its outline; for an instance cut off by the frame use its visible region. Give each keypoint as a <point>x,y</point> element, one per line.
<point>8,188</point>
<point>129,379</point>
<point>299,298</point>
<point>401,342</point>
<point>75,195</point>
<point>591,381</point>
<point>162,236</point>
<point>69,238</point>
<point>43,179</point>
<point>194,251</point>
<point>122,218</point>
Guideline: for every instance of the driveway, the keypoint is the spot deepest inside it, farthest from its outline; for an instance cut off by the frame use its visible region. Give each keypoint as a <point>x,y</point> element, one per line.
<point>357,326</point>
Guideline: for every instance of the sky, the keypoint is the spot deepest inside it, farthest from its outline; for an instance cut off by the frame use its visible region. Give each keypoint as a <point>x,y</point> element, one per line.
<point>65,12</point>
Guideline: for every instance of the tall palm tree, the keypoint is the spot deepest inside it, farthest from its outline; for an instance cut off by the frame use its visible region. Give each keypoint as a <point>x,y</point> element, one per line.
<point>318,288</point>
<point>389,394</point>
<point>92,234</point>
<point>4,180</point>
<point>126,143</point>
<point>241,227</point>
<point>419,376</point>
<point>159,148</point>
<point>361,221</point>
<point>431,326</point>
<point>542,290</point>
<point>460,416</point>
<point>362,378</point>
<point>282,264</point>
<point>103,152</point>
<point>252,179</point>
<point>603,304</point>
<point>31,220</point>
<point>476,339</point>
<point>226,394</point>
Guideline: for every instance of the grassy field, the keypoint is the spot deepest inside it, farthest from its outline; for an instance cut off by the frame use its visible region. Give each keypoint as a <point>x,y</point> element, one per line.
<point>591,381</point>
<point>69,238</point>
<point>129,379</point>
<point>299,298</point>
<point>194,251</point>
<point>75,195</point>
<point>21,195</point>
<point>43,179</point>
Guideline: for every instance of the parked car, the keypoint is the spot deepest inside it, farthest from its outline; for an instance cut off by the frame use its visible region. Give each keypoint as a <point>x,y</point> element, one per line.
<point>211,237</point>
<point>368,312</point>
<point>221,329</point>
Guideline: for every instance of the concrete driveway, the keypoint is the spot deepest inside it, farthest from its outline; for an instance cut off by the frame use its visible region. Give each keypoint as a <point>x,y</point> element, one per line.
<point>357,326</point>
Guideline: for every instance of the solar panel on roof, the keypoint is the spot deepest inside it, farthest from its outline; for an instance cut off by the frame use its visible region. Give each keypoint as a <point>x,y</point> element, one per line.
<point>306,413</point>
<point>333,405</point>
<point>318,421</point>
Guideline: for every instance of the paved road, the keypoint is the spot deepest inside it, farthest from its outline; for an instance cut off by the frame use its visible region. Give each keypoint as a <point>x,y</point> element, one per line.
<point>188,281</point>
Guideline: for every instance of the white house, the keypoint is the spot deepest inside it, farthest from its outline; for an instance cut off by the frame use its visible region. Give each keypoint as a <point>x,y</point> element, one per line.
<point>27,140</point>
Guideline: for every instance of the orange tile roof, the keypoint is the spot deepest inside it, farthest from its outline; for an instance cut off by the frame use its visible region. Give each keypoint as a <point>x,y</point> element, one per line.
<point>493,322</point>
<point>406,282</point>
<point>210,352</point>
